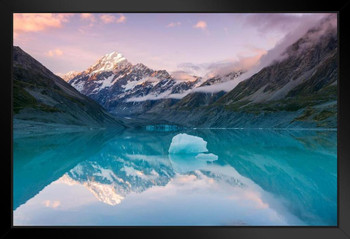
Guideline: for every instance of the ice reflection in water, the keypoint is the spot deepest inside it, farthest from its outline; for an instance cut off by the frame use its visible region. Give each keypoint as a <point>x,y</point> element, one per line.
<point>194,177</point>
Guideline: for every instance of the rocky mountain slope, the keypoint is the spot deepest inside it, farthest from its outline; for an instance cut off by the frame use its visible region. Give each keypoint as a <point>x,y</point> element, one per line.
<point>298,89</point>
<point>39,96</point>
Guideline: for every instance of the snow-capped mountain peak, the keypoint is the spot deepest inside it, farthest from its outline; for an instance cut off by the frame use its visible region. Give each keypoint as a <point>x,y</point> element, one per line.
<point>109,62</point>
<point>114,57</point>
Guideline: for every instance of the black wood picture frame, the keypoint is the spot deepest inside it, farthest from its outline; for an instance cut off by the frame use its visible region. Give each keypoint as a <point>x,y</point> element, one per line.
<point>342,231</point>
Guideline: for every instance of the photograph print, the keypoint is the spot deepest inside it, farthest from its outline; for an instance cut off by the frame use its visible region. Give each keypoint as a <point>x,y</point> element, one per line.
<point>175,119</point>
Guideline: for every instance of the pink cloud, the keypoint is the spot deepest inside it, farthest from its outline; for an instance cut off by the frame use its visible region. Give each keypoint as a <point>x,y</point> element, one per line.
<point>183,76</point>
<point>173,24</point>
<point>34,22</point>
<point>243,62</point>
<point>121,18</point>
<point>201,25</point>
<point>108,18</point>
<point>55,52</point>
<point>87,16</point>
<point>247,63</point>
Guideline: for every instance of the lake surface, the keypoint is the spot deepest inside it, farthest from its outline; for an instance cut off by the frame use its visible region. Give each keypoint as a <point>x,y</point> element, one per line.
<point>221,177</point>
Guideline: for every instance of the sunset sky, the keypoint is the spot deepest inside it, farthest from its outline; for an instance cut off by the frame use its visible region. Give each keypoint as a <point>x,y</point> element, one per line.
<point>195,43</point>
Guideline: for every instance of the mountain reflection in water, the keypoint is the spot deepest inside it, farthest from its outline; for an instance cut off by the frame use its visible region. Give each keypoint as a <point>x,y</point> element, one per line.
<point>187,177</point>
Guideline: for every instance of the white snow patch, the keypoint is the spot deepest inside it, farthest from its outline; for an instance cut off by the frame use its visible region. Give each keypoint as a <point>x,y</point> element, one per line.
<point>136,173</point>
<point>79,86</point>
<point>106,173</point>
<point>107,82</point>
<point>132,172</point>
<point>131,84</point>
<point>105,193</point>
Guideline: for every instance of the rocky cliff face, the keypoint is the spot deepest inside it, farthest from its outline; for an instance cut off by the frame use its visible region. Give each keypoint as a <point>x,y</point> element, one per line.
<point>41,96</point>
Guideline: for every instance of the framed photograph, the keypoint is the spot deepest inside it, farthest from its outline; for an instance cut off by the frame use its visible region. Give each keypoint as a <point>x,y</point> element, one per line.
<point>205,120</point>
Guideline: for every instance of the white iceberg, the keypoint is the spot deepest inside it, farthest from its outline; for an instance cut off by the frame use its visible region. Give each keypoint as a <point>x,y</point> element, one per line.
<point>187,144</point>
<point>189,153</point>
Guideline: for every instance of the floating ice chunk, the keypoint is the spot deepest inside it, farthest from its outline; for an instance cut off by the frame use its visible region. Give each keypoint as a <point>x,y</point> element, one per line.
<point>188,153</point>
<point>187,144</point>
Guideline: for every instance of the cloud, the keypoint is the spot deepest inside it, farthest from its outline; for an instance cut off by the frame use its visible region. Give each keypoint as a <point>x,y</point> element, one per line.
<point>183,76</point>
<point>241,63</point>
<point>121,19</point>
<point>193,69</point>
<point>108,18</point>
<point>276,53</point>
<point>55,52</point>
<point>88,17</point>
<point>268,21</point>
<point>201,25</point>
<point>189,66</point>
<point>282,23</point>
<point>173,24</point>
<point>34,22</point>
<point>327,25</point>
<point>278,21</point>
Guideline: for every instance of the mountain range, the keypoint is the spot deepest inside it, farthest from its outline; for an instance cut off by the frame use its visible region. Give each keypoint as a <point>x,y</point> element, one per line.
<point>128,90</point>
<point>297,89</point>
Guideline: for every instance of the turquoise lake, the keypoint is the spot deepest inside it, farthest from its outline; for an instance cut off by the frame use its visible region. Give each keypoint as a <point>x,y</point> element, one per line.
<point>173,177</point>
